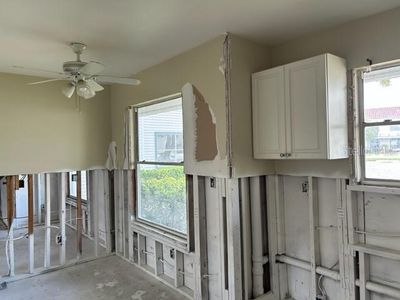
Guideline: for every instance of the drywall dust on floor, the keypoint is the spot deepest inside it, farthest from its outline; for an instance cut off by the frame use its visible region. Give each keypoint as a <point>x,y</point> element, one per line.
<point>106,278</point>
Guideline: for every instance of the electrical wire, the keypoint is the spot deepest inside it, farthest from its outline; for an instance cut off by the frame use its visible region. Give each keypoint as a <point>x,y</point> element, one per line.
<point>320,285</point>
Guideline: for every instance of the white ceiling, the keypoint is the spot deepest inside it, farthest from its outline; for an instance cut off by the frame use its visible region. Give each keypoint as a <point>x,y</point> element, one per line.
<point>131,35</point>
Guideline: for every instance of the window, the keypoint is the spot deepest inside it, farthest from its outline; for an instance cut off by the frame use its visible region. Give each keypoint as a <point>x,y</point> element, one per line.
<point>161,182</point>
<point>380,124</point>
<point>72,178</point>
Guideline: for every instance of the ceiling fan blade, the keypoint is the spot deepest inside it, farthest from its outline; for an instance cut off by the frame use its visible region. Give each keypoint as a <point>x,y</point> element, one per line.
<point>118,80</point>
<point>45,81</point>
<point>92,68</point>
<point>94,85</point>
<point>37,70</point>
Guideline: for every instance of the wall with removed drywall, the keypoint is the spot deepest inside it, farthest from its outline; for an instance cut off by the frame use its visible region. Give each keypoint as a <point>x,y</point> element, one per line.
<point>372,37</point>
<point>200,67</point>
<point>41,130</point>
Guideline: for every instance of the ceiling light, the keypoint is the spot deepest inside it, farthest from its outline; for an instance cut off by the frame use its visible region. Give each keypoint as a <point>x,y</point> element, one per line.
<point>83,90</point>
<point>68,90</point>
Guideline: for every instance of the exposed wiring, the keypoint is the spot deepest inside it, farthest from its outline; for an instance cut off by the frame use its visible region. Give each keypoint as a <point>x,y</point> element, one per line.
<point>320,285</point>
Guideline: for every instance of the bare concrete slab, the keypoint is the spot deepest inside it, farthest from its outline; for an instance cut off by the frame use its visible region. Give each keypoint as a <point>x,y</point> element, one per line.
<point>105,278</point>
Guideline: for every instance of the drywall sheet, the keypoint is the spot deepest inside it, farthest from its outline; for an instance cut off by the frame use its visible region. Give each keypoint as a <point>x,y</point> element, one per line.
<point>206,139</point>
<point>244,58</point>
<point>43,132</point>
<point>200,140</point>
<point>200,67</point>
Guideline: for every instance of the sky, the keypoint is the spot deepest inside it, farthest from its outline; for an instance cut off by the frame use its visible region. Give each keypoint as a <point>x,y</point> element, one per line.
<point>375,95</point>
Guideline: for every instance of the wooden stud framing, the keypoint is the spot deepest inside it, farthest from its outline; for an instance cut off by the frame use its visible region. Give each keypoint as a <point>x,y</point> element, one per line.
<point>107,193</point>
<point>158,258</point>
<point>272,231</point>
<point>142,259</point>
<point>131,197</point>
<point>61,208</point>
<point>313,214</point>
<point>79,213</point>
<point>364,275</point>
<point>30,225</point>
<point>234,239</point>
<point>280,215</point>
<point>179,269</point>
<point>47,249</point>
<point>341,220</point>
<point>246,237</point>
<point>10,200</point>
<point>351,221</point>
<point>10,217</point>
<point>200,232</point>
<point>95,188</point>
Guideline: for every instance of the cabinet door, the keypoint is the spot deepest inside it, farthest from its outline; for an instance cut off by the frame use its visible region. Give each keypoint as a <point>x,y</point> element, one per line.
<point>269,113</point>
<point>305,90</point>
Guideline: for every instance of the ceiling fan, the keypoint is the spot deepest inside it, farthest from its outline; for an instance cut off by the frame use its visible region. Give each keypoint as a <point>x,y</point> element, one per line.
<point>84,77</point>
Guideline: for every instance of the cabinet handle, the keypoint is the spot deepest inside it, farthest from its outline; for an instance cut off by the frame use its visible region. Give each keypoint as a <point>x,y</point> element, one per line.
<point>288,154</point>
<point>282,154</point>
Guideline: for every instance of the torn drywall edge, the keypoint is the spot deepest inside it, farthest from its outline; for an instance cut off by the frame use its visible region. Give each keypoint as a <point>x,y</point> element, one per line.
<point>217,165</point>
<point>205,130</point>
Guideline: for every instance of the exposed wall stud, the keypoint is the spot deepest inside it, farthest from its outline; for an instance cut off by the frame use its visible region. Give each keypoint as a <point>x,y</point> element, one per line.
<point>79,213</point>
<point>10,217</point>
<point>313,215</point>
<point>61,208</point>
<point>200,232</point>
<point>47,249</point>
<point>30,225</point>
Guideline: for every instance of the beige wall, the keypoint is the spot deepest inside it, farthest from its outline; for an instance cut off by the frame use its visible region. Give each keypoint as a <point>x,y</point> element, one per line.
<point>375,37</point>
<point>246,58</point>
<point>200,67</point>
<point>42,131</point>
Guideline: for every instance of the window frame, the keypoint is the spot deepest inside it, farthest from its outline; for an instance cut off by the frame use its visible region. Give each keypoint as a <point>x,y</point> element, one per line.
<point>170,232</point>
<point>359,165</point>
<point>69,196</point>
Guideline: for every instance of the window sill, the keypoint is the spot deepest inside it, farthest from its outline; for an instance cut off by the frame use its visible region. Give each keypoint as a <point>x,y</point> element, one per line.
<point>374,189</point>
<point>72,201</point>
<point>164,236</point>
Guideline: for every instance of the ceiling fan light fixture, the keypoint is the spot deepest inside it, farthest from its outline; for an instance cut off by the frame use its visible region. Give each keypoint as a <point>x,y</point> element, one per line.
<point>83,90</point>
<point>68,90</point>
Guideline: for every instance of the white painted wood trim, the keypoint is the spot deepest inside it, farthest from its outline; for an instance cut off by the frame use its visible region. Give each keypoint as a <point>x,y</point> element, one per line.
<point>234,239</point>
<point>272,232</point>
<point>200,232</point>
<point>47,249</point>
<point>63,197</point>
<point>313,214</point>
<point>280,215</point>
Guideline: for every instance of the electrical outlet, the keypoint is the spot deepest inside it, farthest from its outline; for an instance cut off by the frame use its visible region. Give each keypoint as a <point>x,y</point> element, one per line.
<point>59,239</point>
<point>172,253</point>
<point>212,182</point>
<point>304,187</point>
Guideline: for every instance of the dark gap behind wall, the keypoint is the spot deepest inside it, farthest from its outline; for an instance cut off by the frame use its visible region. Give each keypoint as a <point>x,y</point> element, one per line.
<point>264,218</point>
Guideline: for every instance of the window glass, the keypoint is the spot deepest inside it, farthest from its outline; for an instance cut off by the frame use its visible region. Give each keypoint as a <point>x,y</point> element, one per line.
<point>162,195</point>
<point>382,152</point>
<point>161,180</point>
<point>382,95</point>
<point>160,134</point>
<point>72,178</point>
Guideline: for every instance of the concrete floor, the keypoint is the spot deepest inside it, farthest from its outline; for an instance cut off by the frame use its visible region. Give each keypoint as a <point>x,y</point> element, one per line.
<point>105,278</point>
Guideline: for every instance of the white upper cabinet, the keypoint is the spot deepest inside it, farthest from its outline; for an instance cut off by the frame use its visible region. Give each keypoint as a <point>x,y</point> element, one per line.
<point>299,110</point>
